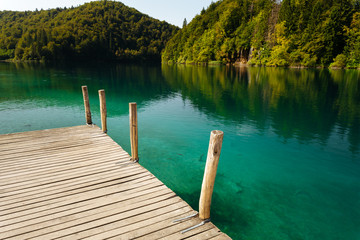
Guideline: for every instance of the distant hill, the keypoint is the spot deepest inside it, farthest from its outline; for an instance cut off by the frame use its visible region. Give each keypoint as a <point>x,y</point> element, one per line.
<point>273,33</point>
<point>99,30</point>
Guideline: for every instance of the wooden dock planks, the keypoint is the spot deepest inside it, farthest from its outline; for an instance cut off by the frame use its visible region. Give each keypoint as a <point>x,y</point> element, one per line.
<point>77,183</point>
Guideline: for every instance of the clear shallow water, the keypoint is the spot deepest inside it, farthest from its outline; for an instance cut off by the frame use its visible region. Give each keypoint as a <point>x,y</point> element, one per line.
<point>290,163</point>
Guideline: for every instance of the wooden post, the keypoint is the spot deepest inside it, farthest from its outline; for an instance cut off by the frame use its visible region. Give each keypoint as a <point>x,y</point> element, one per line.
<point>86,104</point>
<point>216,138</point>
<point>103,110</point>
<point>133,131</point>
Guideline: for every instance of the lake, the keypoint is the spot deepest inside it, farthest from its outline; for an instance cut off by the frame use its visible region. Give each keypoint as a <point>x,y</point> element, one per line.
<point>290,161</point>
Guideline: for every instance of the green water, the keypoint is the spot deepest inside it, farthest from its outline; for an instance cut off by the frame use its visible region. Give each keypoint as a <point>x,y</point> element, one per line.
<point>290,162</point>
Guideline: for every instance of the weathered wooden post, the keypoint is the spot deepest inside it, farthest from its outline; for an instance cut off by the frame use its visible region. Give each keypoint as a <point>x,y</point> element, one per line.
<point>133,132</point>
<point>103,110</point>
<point>86,104</point>
<point>216,138</point>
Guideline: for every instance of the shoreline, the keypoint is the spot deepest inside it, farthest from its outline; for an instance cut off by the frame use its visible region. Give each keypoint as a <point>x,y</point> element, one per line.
<point>241,64</point>
<point>212,63</point>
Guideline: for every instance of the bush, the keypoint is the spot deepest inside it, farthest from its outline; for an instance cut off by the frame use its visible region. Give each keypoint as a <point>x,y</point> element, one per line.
<point>6,54</point>
<point>309,61</point>
<point>215,63</point>
<point>339,61</point>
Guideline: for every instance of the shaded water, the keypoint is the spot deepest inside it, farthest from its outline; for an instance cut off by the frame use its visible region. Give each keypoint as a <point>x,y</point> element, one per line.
<point>290,163</point>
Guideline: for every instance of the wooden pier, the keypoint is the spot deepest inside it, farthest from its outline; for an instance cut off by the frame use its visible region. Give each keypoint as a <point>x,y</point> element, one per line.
<point>77,183</point>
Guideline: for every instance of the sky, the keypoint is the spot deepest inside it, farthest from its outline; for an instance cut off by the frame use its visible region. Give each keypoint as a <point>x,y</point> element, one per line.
<point>172,11</point>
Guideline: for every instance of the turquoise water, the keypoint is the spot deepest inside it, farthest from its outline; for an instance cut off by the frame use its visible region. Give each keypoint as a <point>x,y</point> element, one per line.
<point>290,162</point>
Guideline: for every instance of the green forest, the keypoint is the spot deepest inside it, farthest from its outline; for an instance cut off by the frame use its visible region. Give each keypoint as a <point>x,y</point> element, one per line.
<point>99,30</point>
<point>301,33</point>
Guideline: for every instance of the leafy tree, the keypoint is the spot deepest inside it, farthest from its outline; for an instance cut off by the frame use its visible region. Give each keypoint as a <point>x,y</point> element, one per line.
<point>352,48</point>
<point>280,55</point>
<point>339,61</point>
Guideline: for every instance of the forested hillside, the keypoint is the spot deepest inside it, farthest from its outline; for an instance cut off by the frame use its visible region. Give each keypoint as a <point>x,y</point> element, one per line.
<point>96,30</point>
<point>273,33</point>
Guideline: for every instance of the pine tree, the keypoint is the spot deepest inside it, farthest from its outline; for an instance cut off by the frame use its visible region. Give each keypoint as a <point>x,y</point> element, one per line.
<point>184,23</point>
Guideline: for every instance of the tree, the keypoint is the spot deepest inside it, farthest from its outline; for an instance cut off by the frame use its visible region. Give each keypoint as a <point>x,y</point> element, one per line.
<point>184,23</point>
<point>280,52</point>
<point>352,48</point>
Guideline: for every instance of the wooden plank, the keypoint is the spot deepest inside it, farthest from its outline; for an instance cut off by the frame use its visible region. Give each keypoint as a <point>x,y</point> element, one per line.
<point>47,149</point>
<point>19,176</point>
<point>56,138</point>
<point>179,235</point>
<point>221,237</point>
<point>70,185</point>
<point>31,181</point>
<point>38,138</point>
<point>46,146</point>
<point>60,165</point>
<point>44,154</point>
<point>59,155</point>
<point>66,192</point>
<point>207,234</point>
<point>53,144</point>
<point>163,229</point>
<point>51,132</point>
<point>124,225</point>
<point>119,215</point>
<point>85,216</point>
<point>35,190</point>
<point>126,197</point>
<point>58,179</point>
<point>30,139</point>
<point>23,166</point>
<point>55,158</point>
<point>142,227</point>
<point>53,203</point>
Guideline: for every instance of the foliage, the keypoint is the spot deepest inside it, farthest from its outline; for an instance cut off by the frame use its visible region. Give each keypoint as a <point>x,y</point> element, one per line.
<point>268,32</point>
<point>6,54</point>
<point>352,48</point>
<point>96,30</point>
<point>339,61</point>
<point>280,52</point>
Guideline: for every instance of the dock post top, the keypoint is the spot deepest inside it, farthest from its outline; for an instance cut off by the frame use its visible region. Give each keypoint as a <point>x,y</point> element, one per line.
<point>218,133</point>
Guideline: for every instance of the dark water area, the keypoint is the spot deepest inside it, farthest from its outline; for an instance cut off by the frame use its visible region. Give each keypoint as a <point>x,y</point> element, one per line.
<point>290,162</point>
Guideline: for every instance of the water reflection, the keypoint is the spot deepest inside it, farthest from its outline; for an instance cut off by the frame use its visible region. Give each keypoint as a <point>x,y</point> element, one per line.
<point>294,103</point>
<point>43,82</point>
<point>308,105</point>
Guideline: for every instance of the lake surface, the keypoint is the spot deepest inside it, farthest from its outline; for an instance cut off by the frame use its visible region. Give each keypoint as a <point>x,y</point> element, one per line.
<point>290,162</point>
